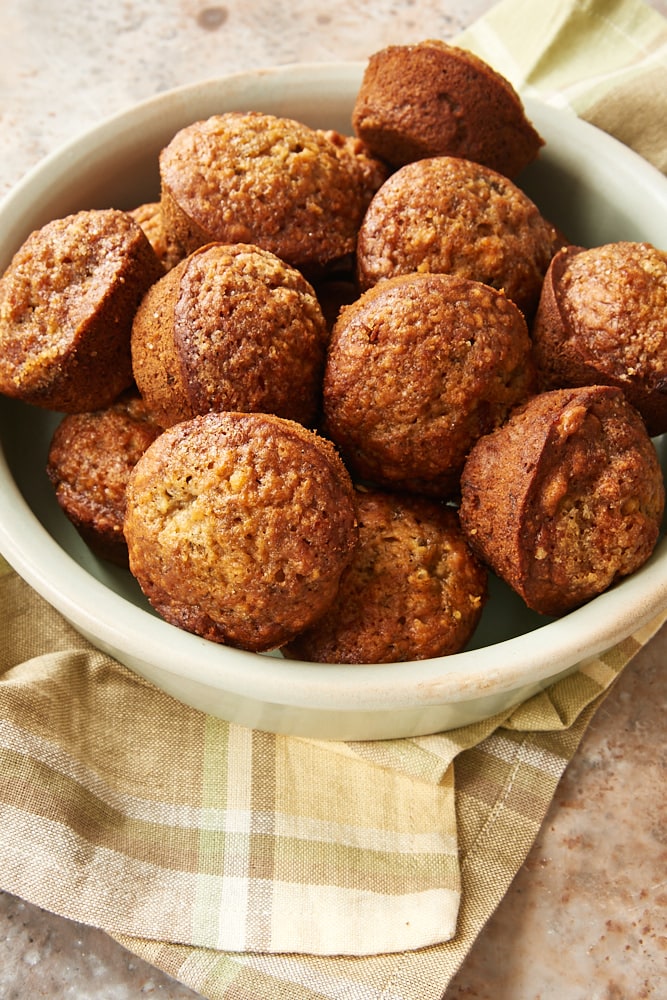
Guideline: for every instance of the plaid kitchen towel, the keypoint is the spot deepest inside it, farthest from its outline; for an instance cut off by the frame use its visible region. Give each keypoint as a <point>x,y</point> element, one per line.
<point>251,865</point>
<point>604,59</point>
<point>246,864</point>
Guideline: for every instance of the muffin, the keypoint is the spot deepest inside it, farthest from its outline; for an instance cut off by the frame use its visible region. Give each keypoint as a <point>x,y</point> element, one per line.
<point>413,589</point>
<point>239,526</point>
<point>67,301</point>
<point>89,462</point>
<point>602,318</point>
<point>418,368</point>
<point>434,99</point>
<point>256,178</point>
<point>149,217</point>
<point>358,159</point>
<point>232,327</point>
<point>450,215</point>
<point>565,498</point>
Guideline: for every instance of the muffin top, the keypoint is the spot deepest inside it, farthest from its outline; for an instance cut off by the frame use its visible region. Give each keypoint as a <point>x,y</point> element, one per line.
<point>603,318</point>
<point>257,178</point>
<point>565,497</point>
<point>67,301</point>
<point>449,215</point>
<point>412,590</point>
<point>89,462</point>
<point>239,525</point>
<point>418,368</point>
<point>231,327</point>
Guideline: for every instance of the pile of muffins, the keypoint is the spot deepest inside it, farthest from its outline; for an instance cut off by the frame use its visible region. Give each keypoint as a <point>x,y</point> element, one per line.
<point>326,384</point>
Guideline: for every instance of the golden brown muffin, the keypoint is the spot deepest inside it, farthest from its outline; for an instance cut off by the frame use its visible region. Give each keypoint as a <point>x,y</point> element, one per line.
<point>239,526</point>
<point>358,159</point>
<point>89,463</point>
<point>413,589</point>
<point>67,301</point>
<point>435,99</point>
<point>256,178</point>
<point>457,217</point>
<point>232,327</point>
<point>149,217</point>
<point>602,318</point>
<point>418,368</point>
<point>565,498</point>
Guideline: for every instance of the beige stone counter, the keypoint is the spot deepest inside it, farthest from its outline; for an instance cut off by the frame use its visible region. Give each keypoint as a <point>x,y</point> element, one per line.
<point>585,919</point>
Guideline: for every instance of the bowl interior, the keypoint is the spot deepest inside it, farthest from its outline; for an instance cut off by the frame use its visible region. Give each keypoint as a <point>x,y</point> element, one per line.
<point>593,188</point>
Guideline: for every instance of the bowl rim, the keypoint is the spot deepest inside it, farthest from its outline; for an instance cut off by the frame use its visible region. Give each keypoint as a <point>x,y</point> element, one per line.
<point>532,657</point>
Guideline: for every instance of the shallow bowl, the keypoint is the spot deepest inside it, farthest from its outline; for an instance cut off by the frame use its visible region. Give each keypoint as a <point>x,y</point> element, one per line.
<point>594,188</point>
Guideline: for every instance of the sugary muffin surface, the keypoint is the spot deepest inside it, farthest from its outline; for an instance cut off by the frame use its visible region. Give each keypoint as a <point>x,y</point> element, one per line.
<point>67,302</point>
<point>256,178</point>
<point>412,590</point>
<point>565,498</point>
<point>232,327</point>
<point>449,215</point>
<point>238,527</point>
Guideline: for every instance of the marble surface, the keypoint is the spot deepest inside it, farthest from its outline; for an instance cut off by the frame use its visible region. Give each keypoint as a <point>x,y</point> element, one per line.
<point>585,916</point>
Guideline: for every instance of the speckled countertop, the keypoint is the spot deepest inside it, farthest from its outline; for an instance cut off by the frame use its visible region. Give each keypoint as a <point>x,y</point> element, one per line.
<point>585,918</point>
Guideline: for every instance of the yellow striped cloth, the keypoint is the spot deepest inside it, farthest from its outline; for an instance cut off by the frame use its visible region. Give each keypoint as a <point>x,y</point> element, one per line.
<point>251,865</point>
<point>215,851</point>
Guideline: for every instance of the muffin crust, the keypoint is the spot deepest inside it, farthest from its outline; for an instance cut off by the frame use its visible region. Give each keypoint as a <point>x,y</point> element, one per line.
<point>238,527</point>
<point>67,301</point>
<point>413,589</point>
<point>565,498</point>
<point>230,328</point>
<point>435,99</point>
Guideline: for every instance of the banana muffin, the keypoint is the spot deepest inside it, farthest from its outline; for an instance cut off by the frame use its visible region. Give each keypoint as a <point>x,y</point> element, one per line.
<point>418,368</point>
<point>453,216</point>
<point>89,462</point>
<point>358,158</point>
<point>436,99</point>
<point>231,327</point>
<point>602,318</point>
<point>239,526</point>
<point>565,498</point>
<point>256,178</point>
<point>67,301</point>
<point>413,589</point>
